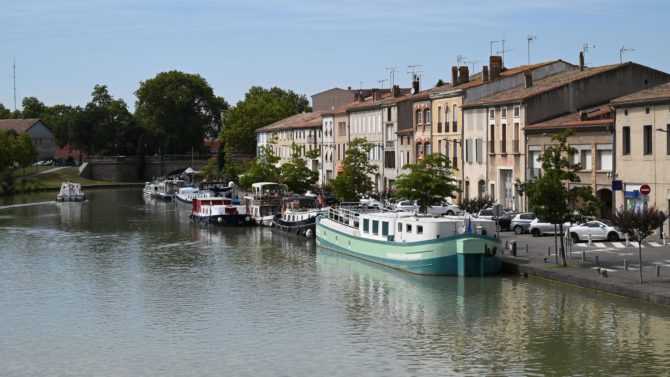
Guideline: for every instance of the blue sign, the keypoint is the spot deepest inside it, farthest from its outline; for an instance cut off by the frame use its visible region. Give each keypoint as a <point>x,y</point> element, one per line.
<point>617,185</point>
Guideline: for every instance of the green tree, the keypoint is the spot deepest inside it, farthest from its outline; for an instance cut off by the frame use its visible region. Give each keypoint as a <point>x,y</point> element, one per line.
<point>4,112</point>
<point>59,118</point>
<point>263,167</point>
<point>440,82</point>
<point>551,197</point>
<point>295,173</point>
<point>639,225</point>
<point>355,179</point>
<point>178,110</point>
<point>25,151</point>
<point>474,205</point>
<point>32,108</point>
<point>429,181</point>
<point>259,108</point>
<point>211,170</point>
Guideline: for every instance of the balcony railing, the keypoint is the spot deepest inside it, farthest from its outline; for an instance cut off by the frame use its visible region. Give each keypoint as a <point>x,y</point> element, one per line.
<point>533,173</point>
<point>515,146</point>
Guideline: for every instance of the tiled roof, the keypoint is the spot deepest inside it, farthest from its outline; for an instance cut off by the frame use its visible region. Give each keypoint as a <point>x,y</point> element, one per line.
<point>476,79</point>
<point>596,116</point>
<point>297,121</point>
<point>19,125</point>
<point>540,86</point>
<point>659,93</point>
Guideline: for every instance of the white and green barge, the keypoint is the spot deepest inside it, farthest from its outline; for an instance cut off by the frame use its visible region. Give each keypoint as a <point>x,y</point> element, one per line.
<point>428,245</point>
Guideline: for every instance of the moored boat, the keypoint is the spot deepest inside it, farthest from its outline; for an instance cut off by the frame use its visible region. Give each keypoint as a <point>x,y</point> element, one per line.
<point>219,211</point>
<point>298,216</point>
<point>70,192</point>
<point>264,201</point>
<point>429,245</point>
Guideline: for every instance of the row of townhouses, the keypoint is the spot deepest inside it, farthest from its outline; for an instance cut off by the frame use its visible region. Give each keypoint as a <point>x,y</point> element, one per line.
<point>493,125</point>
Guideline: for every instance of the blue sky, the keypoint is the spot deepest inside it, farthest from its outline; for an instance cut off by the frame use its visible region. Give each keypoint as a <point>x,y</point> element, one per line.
<point>64,47</point>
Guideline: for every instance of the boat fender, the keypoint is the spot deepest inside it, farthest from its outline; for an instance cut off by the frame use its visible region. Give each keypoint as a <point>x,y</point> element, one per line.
<point>308,233</point>
<point>247,219</point>
<point>220,219</point>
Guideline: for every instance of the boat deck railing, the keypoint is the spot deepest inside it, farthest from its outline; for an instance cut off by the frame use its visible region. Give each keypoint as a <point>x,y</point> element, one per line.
<point>345,212</point>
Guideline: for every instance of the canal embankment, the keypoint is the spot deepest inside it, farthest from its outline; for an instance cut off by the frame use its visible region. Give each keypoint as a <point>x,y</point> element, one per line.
<point>607,267</point>
<point>39,179</point>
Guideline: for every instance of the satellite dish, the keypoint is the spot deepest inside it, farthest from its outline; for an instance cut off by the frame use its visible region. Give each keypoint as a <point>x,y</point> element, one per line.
<point>411,91</point>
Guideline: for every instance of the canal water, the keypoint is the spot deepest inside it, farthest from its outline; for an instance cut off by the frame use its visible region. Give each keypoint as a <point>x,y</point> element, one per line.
<point>118,286</point>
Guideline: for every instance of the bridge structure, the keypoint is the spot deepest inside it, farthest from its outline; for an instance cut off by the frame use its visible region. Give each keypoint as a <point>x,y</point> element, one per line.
<point>138,169</point>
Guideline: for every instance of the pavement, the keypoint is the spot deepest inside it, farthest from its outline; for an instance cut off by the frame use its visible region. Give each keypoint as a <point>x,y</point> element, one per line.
<point>586,263</point>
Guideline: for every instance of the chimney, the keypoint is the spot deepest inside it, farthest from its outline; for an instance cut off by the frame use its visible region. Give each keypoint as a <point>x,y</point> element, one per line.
<point>396,91</point>
<point>528,75</point>
<point>485,73</point>
<point>375,94</point>
<point>415,84</point>
<point>463,74</point>
<point>496,64</point>
<point>581,60</point>
<point>348,88</point>
<point>454,75</point>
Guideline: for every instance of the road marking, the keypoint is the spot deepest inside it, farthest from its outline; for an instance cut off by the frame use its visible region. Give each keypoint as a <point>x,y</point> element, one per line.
<point>635,244</point>
<point>581,245</point>
<point>654,244</point>
<point>599,244</point>
<point>618,245</point>
<point>604,269</point>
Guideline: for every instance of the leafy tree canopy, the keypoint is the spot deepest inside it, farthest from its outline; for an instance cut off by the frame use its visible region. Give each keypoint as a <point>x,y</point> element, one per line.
<point>474,205</point>
<point>259,108</point>
<point>639,225</point>
<point>32,108</point>
<point>295,173</point>
<point>178,110</point>
<point>263,167</point>
<point>429,181</point>
<point>550,196</point>
<point>4,112</point>
<point>355,179</point>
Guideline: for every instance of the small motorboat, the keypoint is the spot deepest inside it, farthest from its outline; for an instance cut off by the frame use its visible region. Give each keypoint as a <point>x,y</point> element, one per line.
<point>70,192</point>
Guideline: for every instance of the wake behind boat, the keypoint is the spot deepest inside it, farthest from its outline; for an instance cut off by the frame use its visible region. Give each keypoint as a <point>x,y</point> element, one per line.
<point>417,244</point>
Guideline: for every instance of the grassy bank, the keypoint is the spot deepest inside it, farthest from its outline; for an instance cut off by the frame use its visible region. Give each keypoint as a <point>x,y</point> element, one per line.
<point>47,178</point>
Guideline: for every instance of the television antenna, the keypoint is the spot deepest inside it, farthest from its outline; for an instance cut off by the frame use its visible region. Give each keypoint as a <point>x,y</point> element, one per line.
<point>585,48</point>
<point>14,78</point>
<point>621,52</point>
<point>503,51</point>
<point>381,82</point>
<point>413,68</point>
<point>531,38</point>
<point>392,74</point>
<point>491,47</point>
<point>473,62</point>
<point>459,60</point>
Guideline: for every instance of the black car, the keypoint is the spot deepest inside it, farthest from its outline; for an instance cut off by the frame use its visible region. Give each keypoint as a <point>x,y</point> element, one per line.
<point>505,220</point>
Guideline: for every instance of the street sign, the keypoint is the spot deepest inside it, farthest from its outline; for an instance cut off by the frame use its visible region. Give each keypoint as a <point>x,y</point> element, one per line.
<point>645,190</point>
<point>498,210</point>
<point>617,185</point>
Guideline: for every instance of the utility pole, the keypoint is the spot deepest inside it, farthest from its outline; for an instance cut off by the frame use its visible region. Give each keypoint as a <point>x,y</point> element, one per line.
<point>531,38</point>
<point>622,50</point>
<point>14,77</point>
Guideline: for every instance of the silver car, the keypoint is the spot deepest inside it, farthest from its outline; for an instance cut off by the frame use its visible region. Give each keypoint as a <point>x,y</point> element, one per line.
<point>598,230</point>
<point>539,228</point>
<point>521,222</point>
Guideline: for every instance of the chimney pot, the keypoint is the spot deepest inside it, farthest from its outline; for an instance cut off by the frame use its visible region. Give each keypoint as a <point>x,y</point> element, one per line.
<point>375,94</point>
<point>415,85</point>
<point>485,73</point>
<point>454,75</point>
<point>496,65</point>
<point>463,74</point>
<point>581,60</point>
<point>528,75</point>
<point>396,91</point>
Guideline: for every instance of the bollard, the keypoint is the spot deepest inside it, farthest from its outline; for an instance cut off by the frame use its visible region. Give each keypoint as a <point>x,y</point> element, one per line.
<point>625,264</point>
<point>590,241</point>
<point>596,258</point>
<point>604,273</point>
<point>583,256</point>
<point>658,270</point>
<point>627,243</point>
<point>549,251</point>
<point>598,270</point>
<point>545,259</point>
<point>526,248</point>
<point>513,244</point>
<point>507,244</point>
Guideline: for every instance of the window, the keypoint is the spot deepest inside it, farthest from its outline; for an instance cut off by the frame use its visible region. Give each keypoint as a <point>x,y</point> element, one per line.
<point>375,227</point>
<point>492,114</point>
<point>419,229</point>
<point>516,111</point>
<point>492,139</point>
<point>468,150</point>
<point>585,155</point>
<point>419,117</point>
<point>366,225</point>
<point>625,140</point>
<point>419,151</point>
<point>478,150</point>
<point>399,227</point>
<point>648,148</point>
<point>454,149</point>
<point>388,114</point>
<point>439,114</point>
<point>533,157</point>
<point>605,160</point>
<point>427,116</point>
<point>667,139</point>
<point>455,118</point>
<point>503,113</point>
<point>428,148</point>
<point>646,110</point>
<point>439,146</point>
<point>625,112</point>
<point>385,228</point>
<point>408,228</point>
<point>503,140</point>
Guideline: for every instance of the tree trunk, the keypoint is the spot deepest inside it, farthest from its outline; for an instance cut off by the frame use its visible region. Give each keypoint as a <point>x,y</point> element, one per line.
<point>639,253</point>
<point>560,227</point>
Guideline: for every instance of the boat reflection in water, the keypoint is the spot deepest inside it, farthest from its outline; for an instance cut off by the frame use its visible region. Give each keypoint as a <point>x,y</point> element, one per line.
<point>491,325</point>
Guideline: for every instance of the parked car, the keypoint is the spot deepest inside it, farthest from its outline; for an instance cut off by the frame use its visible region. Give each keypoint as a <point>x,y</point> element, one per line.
<point>486,214</point>
<point>540,228</point>
<point>599,230</point>
<point>521,222</point>
<point>505,221</point>
<point>372,202</point>
<point>435,210</point>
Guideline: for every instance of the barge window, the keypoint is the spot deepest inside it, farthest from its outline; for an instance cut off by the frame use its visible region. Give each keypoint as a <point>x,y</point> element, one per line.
<point>409,228</point>
<point>375,227</point>
<point>399,227</point>
<point>385,228</point>
<point>366,225</point>
<point>419,229</point>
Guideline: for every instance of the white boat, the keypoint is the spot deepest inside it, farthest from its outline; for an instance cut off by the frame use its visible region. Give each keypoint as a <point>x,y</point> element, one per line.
<point>150,189</point>
<point>187,194</point>
<point>70,192</point>
<point>264,201</point>
<point>420,244</point>
<point>220,211</point>
<point>298,216</point>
